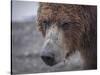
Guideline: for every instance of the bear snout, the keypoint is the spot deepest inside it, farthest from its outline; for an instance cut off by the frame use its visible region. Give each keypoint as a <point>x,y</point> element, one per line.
<point>48,59</point>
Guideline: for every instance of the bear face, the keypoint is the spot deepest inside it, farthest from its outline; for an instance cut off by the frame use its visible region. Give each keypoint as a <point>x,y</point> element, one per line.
<point>67,28</point>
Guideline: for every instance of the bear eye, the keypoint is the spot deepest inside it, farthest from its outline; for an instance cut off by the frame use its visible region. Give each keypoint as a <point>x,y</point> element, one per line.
<point>65,26</point>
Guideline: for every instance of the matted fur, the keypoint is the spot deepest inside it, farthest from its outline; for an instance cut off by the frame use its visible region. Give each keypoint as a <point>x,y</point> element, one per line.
<point>78,26</point>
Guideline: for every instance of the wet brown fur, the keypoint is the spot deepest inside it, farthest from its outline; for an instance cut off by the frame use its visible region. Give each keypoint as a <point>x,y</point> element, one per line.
<point>80,32</point>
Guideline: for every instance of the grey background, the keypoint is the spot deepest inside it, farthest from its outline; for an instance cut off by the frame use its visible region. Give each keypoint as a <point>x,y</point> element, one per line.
<point>27,42</point>
<point>23,9</point>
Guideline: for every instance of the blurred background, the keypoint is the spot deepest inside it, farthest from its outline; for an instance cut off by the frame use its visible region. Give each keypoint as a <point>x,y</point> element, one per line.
<point>27,42</point>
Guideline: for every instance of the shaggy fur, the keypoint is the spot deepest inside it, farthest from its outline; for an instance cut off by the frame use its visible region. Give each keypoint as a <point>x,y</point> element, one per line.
<point>78,24</point>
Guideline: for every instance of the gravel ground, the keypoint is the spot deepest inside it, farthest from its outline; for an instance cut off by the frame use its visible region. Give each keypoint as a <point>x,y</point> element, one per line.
<point>26,45</point>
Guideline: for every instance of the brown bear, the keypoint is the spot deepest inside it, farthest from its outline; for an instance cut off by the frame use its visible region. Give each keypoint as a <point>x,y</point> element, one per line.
<point>68,28</point>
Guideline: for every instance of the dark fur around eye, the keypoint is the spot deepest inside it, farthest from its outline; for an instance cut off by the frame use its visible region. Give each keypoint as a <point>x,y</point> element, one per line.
<point>68,25</point>
<point>65,26</point>
<point>46,24</point>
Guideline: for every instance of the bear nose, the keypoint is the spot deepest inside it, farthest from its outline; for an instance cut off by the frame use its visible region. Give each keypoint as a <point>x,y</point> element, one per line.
<point>49,59</point>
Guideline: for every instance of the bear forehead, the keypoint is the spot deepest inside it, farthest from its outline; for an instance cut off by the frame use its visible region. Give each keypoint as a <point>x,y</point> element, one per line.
<point>60,12</point>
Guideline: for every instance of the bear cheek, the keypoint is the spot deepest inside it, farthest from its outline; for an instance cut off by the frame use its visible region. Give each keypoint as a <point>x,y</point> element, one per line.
<point>63,43</point>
